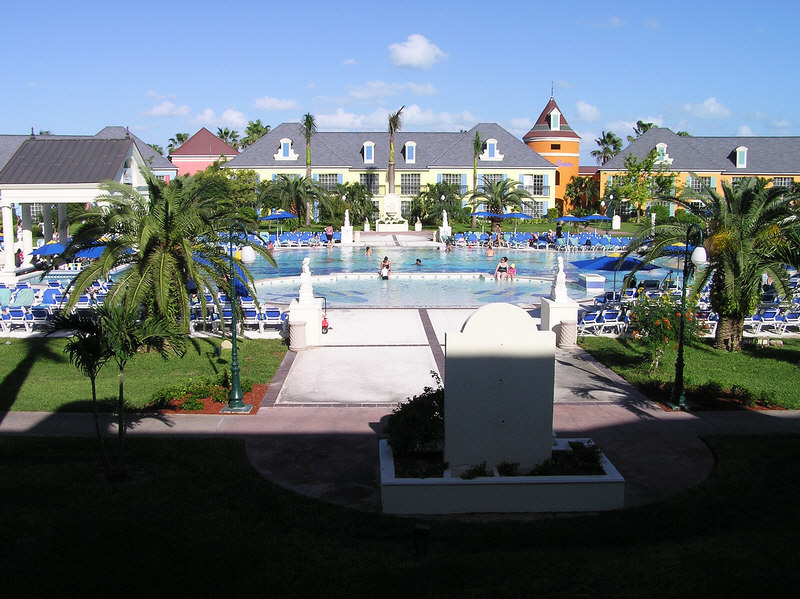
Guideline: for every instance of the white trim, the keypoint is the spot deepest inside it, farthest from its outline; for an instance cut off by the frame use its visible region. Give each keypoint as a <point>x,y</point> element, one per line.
<point>292,155</point>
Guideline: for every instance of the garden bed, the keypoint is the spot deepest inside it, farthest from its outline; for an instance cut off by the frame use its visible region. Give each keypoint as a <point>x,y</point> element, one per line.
<point>210,406</point>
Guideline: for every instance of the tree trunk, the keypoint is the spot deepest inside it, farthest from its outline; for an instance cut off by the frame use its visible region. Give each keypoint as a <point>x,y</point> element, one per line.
<point>730,330</point>
<point>103,453</point>
<point>120,471</point>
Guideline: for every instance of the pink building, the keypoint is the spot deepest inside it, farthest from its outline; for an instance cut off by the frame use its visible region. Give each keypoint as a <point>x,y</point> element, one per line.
<point>200,151</point>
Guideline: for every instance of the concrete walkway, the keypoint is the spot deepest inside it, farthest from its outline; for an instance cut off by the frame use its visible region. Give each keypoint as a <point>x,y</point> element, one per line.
<point>317,429</point>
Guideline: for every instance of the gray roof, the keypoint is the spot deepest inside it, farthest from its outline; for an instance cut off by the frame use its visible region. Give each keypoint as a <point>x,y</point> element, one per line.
<point>344,150</point>
<point>153,159</point>
<point>8,145</point>
<point>765,155</point>
<point>59,161</point>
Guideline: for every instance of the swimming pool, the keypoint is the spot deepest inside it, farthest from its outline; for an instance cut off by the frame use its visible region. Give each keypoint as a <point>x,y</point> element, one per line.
<point>347,277</point>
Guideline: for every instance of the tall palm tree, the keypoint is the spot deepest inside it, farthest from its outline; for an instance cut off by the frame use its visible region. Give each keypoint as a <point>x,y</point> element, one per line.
<point>255,130</point>
<point>477,150</point>
<point>609,146</point>
<point>750,231</point>
<point>639,128</point>
<point>229,136</point>
<point>168,240</point>
<point>395,123</point>
<point>177,141</point>
<point>497,196</point>
<point>308,128</point>
<point>295,194</point>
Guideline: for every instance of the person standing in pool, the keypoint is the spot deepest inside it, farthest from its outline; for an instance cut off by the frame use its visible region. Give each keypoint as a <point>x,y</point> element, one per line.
<point>418,262</point>
<point>368,251</point>
<point>501,272</point>
<point>329,235</point>
<point>385,268</point>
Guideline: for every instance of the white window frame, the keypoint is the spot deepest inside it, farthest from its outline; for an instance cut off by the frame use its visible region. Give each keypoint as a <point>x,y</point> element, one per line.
<point>369,152</point>
<point>782,181</point>
<point>555,120</point>
<point>491,151</point>
<point>410,184</point>
<point>410,145</point>
<point>371,181</point>
<point>741,157</point>
<point>661,154</point>
<point>285,151</point>
<point>328,181</point>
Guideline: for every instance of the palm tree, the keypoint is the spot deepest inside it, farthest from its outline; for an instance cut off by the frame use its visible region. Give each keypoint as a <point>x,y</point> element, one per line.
<point>428,205</point>
<point>640,128</point>
<point>168,241</point>
<point>295,194</point>
<point>229,136</point>
<point>177,141</point>
<point>255,130</point>
<point>610,145</point>
<point>125,334</point>
<point>89,352</point>
<point>750,230</point>
<point>477,150</point>
<point>395,123</point>
<point>308,128</point>
<point>497,196</point>
<point>358,202</point>
<point>157,148</point>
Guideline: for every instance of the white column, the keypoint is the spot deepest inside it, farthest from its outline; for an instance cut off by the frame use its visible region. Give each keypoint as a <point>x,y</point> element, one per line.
<point>8,240</point>
<point>63,229</point>
<point>47,218</point>
<point>27,236</point>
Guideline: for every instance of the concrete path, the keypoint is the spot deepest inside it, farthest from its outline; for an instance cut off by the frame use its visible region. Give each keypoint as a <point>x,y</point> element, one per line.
<point>317,429</point>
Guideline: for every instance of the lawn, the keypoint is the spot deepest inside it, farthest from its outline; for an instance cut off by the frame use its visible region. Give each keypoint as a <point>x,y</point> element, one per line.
<point>195,519</point>
<point>765,372</point>
<point>36,375</point>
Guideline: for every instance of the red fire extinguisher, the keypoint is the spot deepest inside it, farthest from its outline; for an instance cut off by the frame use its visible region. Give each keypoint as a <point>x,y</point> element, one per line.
<point>324,324</point>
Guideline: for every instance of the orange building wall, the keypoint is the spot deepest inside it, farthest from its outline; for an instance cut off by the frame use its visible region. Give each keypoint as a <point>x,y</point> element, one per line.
<point>567,164</point>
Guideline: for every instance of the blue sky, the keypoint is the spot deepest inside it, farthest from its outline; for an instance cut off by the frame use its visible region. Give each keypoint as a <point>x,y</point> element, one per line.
<point>167,67</point>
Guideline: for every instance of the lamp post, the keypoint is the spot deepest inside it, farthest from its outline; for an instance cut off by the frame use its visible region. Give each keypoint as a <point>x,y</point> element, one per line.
<point>235,403</point>
<point>677,399</point>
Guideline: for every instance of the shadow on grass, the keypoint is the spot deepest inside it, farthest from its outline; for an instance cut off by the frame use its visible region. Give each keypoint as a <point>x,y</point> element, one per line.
<point>37,349</point>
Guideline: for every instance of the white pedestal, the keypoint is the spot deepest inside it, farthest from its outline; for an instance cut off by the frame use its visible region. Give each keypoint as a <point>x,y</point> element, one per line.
<point>593,284</point>
<point>616,222</point>
<point>347,235</point>
<point>418,226</point>
<point>309,312</point>
<point>445,233</point>
<point>554,312</point>
<point>366,225</point>
<point>391,228</point>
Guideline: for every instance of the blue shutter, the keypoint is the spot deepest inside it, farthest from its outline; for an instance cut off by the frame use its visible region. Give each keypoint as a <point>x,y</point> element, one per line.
<point>671,209</point>
<point>713,184</point>
<point>688,180</point>
<point>340,178</point>
<point>521,180</point>
<point>546,184</point>
<point>464,183</point>
<point>439,177</point>
<point>315,177</point>
<point>273,176</point>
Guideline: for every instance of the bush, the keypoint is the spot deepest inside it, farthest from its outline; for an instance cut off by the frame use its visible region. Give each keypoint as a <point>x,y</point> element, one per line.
<point>655,323</point>
<point>661,212</point>
<point>191,405</point>
<point>418,424</point>
<point>552,213</point>
<point>475,471</point>
<point>580,459</point>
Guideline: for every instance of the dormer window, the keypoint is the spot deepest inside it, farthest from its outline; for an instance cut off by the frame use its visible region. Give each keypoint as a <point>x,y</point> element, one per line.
<point>741,157</point>
<point>369,152</point>
<point>411,152</point>
<point>661,154</point>
<point>491,151</point>
<point>555,120</point>
<point>286,152</point>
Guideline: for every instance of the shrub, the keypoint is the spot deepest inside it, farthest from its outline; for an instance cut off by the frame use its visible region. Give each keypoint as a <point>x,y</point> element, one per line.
<point>475,471</point>
<point>508,468</point>
<point>191,405</point>
<point>580,459</point>
<point>552,213</point>
<point>655,323</point>
<point>418,424</point>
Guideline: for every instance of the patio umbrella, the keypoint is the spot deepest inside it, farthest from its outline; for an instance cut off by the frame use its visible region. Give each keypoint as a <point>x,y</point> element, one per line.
<point>487,214</point>
<point>516,215</point>
<point>596,216</point>
<point>92,252</point>
<point>613,262</point>
<point>570,219</point>
<point>49,249</point>
<point>279,215</point>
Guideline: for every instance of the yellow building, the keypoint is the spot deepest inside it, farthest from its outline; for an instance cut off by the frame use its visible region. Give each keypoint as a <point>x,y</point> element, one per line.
<point>552,138</point>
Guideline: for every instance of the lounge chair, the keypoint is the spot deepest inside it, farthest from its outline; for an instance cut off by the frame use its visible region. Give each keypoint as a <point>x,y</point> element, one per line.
<point>590,323</point>
<point>613,321</point>
<point>791,320</point>
<point>770,323</point>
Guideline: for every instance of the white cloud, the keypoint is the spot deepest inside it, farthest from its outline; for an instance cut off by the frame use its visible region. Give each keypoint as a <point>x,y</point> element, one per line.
<point>268,103</point>
<point>413,117</point>
<point>744,131</point>
<point>416,52</point>
<point>229,118</point>
<point>349,121</point>
<point>154,95</point>
<point>587,112</point>
<point>708,109</point>
<point>520,126</point>
<point>166,109</point>
<point>349,62</point>
<point>651,24</point>
<point>381,89</point>
<point>614,21</point>
<point>781,124</point>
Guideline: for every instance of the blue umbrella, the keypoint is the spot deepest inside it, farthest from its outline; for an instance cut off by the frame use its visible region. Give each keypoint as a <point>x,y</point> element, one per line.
<point>279,215</point>
<point>487,214</point>
<point>615,263</point>
<point>92,252</point>
<point>570,219</point>
<point>597,217</point>
<point>49,249</point>
<point>516,215</point>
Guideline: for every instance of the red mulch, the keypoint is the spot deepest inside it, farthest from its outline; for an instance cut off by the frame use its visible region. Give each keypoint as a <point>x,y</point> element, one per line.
<point>210,406</point>
<point>726,400</point>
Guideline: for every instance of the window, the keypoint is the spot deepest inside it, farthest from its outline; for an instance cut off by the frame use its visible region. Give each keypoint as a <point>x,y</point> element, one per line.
<point>411,152</point>
<point>369,152</point>
<point>661,154</point>
<point>697,183</point>
<point>161,177</point>
<point>741,157</point>
<point>558,177</point>
<point>534,209</point>
<point>454,179</point>
<point>491,151</point>
<point>492,178</point>
<point>735,181</point>
<point>405,208</point>
<point>409,184</point>
<point>534,184</point>
<point>555,120</point>
<point>555,146</point>
<point>285,151</point>
<point>328,181</point>
<point>370,181</point>
<point>782,181</point>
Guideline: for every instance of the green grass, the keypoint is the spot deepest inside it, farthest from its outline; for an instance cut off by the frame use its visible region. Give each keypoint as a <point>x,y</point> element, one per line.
<point>36,375</point>
<point>195,519</point>
<point>769,371</point>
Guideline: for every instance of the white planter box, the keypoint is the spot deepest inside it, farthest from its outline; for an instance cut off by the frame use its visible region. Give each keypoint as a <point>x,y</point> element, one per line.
<point>391,228</point>
<point>500,494</point>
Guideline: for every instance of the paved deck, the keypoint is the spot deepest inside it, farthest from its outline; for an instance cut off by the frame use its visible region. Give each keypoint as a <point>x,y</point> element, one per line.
<point>317,429</point>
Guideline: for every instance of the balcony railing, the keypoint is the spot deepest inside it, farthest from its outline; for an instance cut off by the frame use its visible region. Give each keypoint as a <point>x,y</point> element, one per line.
<point>537,190</point>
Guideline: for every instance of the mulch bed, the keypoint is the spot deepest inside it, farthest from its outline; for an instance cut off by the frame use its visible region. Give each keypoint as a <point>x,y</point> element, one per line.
<point>724,401</point>
<point>210,406</point>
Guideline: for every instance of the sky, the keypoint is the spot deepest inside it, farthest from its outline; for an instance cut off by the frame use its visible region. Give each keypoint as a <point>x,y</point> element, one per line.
<point>161,68</point>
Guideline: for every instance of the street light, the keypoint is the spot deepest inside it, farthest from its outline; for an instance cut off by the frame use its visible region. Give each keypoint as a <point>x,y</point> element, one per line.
<point>677,399</point>
<point>235,403</point>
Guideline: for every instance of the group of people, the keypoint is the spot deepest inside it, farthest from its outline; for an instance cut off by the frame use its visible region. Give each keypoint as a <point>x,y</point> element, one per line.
<point>504,270</point>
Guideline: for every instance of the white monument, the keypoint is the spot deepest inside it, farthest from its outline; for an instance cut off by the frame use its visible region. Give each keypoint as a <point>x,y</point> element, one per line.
<point>418,225</point>
<point>366,224</point>
<point>391,221</point>
<point>558,307</point>
<point>347,229</point>
<point>445,232</point>
<point>306,309</point>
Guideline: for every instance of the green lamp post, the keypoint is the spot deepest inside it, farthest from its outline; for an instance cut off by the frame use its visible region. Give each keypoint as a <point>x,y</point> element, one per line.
<point>677,399</point>
<point>235,403</point>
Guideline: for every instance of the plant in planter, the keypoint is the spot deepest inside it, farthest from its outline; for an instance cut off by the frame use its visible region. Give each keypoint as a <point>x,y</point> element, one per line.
<point>418,424</point>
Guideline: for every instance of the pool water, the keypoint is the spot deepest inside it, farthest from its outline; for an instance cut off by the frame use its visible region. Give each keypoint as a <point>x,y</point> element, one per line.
<point>348,277</point>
